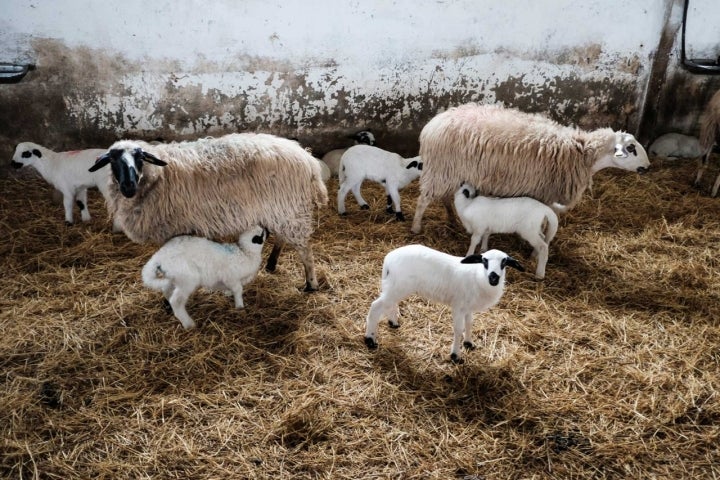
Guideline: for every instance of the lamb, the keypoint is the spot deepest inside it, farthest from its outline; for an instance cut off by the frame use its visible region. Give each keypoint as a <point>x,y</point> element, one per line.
<point>507,153</point>
<point>709,134</point>
<point>482,216</point>
<point>676,145</point>
<point>216,187</point>
<point>454,281</point>
<point>332,158</point>
<point>67,172</point>
<point>186,263</point>
<point>362,162</point>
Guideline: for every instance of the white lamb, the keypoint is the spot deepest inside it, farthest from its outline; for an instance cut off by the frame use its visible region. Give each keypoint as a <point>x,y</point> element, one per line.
<point>394,172</point>
<point>471,284</point>
<point>67,172</point>
<point>186,263</point>
<point>525,216</point>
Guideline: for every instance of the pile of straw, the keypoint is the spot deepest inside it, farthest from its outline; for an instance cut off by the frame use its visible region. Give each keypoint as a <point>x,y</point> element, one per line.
<point>609,368</point>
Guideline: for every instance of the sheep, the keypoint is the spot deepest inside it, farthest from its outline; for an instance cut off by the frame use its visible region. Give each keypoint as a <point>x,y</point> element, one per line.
<point>482,216</point>
<point>186,263</point>
<point>332,158</point>
<point>362,162</point>
<point>437,276</point>
<point>507,153</point>
<point>215,187</point>
<point>709,134</point>
<point>676,145</point>
<point>67,172</point>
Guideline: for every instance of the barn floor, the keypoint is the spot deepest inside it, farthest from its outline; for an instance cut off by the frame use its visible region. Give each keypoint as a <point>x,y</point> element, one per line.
<point>610,368</point>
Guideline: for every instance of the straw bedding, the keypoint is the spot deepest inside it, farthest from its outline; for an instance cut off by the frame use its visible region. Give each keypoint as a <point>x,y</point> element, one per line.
<point>609,368</point>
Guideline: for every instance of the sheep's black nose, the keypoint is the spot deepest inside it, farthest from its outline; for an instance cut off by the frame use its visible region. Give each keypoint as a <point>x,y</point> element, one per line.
<point>16,164</point>
<point>128,189</point>
<point>642,170</point>
<point>493,278</point>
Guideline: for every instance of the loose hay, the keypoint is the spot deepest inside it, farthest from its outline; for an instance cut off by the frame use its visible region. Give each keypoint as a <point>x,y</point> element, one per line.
<point>607,369</point>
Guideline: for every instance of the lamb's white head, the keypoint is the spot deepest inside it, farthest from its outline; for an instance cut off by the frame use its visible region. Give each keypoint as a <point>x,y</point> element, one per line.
<point>26,153</point>
<point>364,137</point>
<point>415,165</point>
<point>253,237</point>
<point>126,160</point>
<point>466,191</point>
<point>494,263</point>
<point>629,153</point>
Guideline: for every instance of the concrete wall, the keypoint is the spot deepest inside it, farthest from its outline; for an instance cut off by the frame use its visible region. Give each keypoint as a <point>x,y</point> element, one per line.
<point>319,69</point>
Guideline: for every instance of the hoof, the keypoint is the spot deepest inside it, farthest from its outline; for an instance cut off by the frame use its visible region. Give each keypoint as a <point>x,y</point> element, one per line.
<point>166,306</point>
<point>365,207</point>
<point>68,224</point>
<point>399,217</point>
<point>371,343</point>
<point>309,288</point>
<point>469,345</point>
<point>270,266</point>
<point>454,358</point>
<point>393,325</point>
<point>342,214</point>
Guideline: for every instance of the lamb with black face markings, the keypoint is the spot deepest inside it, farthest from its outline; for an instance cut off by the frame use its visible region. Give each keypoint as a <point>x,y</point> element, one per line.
<point>471,284</point>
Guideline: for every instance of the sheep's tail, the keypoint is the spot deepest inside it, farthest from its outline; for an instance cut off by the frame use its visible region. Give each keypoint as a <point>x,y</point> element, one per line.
<point>320,190</point>
<point>551,228</point>
<point>153,276</point>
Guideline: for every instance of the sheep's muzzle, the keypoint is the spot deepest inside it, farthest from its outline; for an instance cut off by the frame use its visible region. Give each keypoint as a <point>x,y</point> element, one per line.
<point>642,170</point>
<point>493,278</point>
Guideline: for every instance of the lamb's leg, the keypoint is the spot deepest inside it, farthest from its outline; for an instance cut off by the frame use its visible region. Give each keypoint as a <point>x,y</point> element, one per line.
<point>485,240</point>
<point>423,202</point>
<point>377,308</point>
<point>389,208</point>
<point>395,196</point>
<point>474,240</point>
<point>467,338</point>
<point>178,299</point>
<point>274,254</point>
<point>540,247</point>
<point>458,328</point>
<point>716,186</point>
<point>360,200</point>
<point>167,293</point>
<point>342,193</point>
<point>237,291</point>
<point>68,203</point>
<point>82,205</point>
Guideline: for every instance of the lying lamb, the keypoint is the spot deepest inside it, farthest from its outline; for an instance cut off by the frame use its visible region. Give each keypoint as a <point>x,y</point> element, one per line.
<point>455,281</point>
<point>67,172</point>
<point>482,216</point>
<point>394,172</point>
<point>508,153</point>
<point>186,263</point>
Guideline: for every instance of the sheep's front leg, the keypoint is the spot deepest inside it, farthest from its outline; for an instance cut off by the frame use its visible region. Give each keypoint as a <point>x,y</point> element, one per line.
<point>716,186</point>
<point>423,202</point>
<point>458,332</point>
<point>467,338</point>
<point>83,205</point>
<point>178,299</point>
<point>306,257</point>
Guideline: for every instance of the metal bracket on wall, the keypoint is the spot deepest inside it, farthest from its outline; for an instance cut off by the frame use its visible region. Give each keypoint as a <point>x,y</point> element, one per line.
<point>707,66</point>
<point>11,73</point>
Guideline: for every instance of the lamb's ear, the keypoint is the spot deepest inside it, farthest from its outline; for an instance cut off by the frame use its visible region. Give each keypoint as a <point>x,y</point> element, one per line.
<point>100,162</point>
<point>413,164</point>
<point>150,158</point>
<point>474,258</point>
<point>511,262</point>
<point>420,166</point>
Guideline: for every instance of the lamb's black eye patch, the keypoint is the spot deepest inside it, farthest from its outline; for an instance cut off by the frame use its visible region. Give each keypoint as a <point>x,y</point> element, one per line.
<point>631,148</point>
<point>37,153</point>
<point>258,239</point>
<point>26,154</point>
<point>485,262</point>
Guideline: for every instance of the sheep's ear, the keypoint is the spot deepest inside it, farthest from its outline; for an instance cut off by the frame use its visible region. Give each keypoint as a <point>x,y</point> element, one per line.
<point>100,162</point>
<point>511,262</point>
<point>413,164</point>
<point>420,166</point>
<point>474,258</point>
<point>150,158</point>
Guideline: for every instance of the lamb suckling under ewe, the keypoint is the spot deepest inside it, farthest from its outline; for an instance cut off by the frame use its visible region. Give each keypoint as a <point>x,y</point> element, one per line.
<point>217,187</point>
<point>709,137</point>
<point>67,172</point>
<point>332,158</point>
<point>471,284</point>
<point>482,216</point>
<point>507,153</point>
<point>187,263</point>
<point>394,172</point>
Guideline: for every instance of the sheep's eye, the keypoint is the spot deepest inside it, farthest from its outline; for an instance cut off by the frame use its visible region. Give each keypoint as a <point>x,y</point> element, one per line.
<point>26,154</point>
<point>631,149</point>
<point>485,262</point>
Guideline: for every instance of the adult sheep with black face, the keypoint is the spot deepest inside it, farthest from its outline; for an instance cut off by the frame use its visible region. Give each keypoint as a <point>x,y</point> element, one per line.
<point>503,152</point>
<point>217,187</point>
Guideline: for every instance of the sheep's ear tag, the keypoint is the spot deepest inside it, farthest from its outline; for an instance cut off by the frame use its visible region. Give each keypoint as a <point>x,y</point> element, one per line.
<point>620,151</point>
<point>474,258</point>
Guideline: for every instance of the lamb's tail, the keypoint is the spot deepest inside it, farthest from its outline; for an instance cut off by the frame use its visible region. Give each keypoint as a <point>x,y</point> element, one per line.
<point>551,228</point>
<point>153,276</point>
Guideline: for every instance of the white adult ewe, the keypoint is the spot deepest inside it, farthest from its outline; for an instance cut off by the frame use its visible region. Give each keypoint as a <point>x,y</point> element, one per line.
<point>187,263</point>
<point>506,153</point>
<point>332,158</point>
<point>525,216</point>
<point>67,172</point>
<point>217,187</point>
<point>394,172</point>
<point>709,135</point>
<point>471,284</point>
